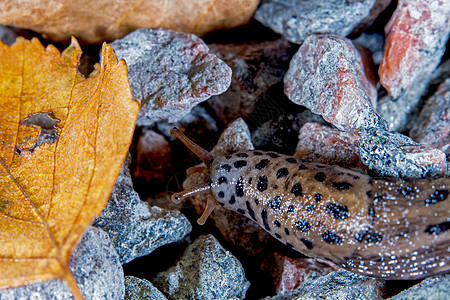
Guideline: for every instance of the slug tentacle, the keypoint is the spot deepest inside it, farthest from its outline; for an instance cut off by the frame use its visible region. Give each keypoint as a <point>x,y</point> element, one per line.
<point>203,188</point>
<point>204,155</point>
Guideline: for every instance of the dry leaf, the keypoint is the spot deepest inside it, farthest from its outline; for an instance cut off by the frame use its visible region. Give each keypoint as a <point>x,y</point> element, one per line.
<point>63,139</point>
<point>95,21</point>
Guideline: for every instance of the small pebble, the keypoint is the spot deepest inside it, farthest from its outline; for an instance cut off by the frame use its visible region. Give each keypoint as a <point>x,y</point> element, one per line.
<point>141,289</point>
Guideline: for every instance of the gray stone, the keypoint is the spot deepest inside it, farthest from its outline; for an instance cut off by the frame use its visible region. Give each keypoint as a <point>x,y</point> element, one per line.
<point>141,289</point>
<point>95,266</point>
<point>256,67</point>
<point>431,288</point>
<point>170,72</point>
<point>342,285</point>
<point>135,228</point>
<point>205,271</point>
<point>7,35</point>
<point>374,42</point>
<point>296,19</point>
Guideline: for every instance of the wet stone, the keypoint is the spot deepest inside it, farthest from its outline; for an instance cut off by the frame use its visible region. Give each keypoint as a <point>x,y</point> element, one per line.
<point>328,76</point>
<point>170,72</point>
<point>141,289</point>
<point>95,266</point>
<point>329,146</point>
<point>135,228</point>
<point>338,285</point>
<point>431,288</point>
<point>205,271</point>
<point>235,138</point>
<point>415,42</point>
<point>296,19</point>
<point>7,35</point>
<point>256,67</point>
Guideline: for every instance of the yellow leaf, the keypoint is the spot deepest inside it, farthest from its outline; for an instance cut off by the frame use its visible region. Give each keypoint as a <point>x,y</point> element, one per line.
<point>63,139</point>
<point>95,21</point>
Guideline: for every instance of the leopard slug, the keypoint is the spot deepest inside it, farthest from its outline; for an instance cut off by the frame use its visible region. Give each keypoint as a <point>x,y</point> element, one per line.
<point>380,227</point>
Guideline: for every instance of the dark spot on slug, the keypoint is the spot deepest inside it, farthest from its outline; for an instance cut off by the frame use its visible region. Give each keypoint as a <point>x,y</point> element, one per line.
<point>241,211</point>
<point>221,194</point>
<point>291,160</point>
<point>437,196</point>
<point>277,236</point>
<point>337,210</point>
<point>241,154</point>
<point>407,191</point>
<point>307,243</point>
<point>240,187</point>
<point>320,166</point>
<point>360,235</point>
<point>318,197</point>
<point>302,167</point>
<point>331,237</point>
<point>239,164</point>
<point>371,211</point>
<point>262,183</point>
<point>320,176</point>
<point>290,208</point>
<point>264,219</point>
<point>275,186</point>
<point>282,172</point>
<point>303,225</point>
<point>222,179</point>
<point>275,203</point>
<point>310,207</point>
<point>232,200</point>
<point>297,189</point>
<point>341,186</point>
<point>273,155</point>
<point>438,228</point>
<point>250,180</point>
<point>373,237</point>
<point>263,163</point>
<point>257,153</point>
<point>277,223</point>
<point>251,213</point>
<point>369,194</point>
<point>286,231</point>
<point>256,201</point>
<point>226,167</point>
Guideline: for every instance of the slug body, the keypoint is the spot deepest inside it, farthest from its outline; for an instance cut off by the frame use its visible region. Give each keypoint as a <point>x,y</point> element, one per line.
<point>380,227</point>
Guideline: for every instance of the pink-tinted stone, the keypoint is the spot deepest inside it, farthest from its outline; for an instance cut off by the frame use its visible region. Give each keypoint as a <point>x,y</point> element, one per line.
<point>288,273</point>
<point>153,157</point>
<point>328,76</point>
<point>416,37</point>
<point>330,146</point>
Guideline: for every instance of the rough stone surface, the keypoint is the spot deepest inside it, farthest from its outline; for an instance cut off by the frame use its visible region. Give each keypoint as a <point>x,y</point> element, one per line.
<point>431,288</point>
<point>288,273</point>
<point>296,19</point>
<point>135,228</point>
<point>153,157</point>
<point>141,289</point>
<point>256,67</point>
<point>401,113</point>
<point>415,43</point>
<point>205,271</point>
<point>374,42</point>
<point>281,134</point>
<point>341,285</point>
<point>393,154</point>
<point>329,146</point>
<point>95,266</point>
<point>7,35</point>
<point>433,125</point>
<point>170,72</point>
<point>327,75</point>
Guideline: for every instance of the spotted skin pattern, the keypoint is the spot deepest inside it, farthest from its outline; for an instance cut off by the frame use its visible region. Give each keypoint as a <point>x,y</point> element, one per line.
<point>380,227</point>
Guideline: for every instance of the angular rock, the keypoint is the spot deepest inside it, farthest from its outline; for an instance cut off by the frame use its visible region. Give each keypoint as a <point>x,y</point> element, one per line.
<point>135,228</point>
<point>7,35</point>
<point>95,266</point>
<point>153,157</point>
<point>329,146</point>
<point>236,137</point>
<point>433,125</point>
<point>415,43</point>
<point>170,72</point>
<point>141,289</point>
<point>431,288</point>
<point>327,75</point>
<point>338,285</point>
<point>256,67</point>
<point>296,19</point>
<point>281,134</point>
<point>393,154</point>
<point>290,273</point>
<point>205,271</point>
